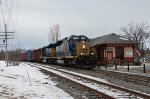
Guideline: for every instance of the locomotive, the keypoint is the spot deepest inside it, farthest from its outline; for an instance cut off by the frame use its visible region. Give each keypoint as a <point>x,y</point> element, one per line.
<point>72,51</point>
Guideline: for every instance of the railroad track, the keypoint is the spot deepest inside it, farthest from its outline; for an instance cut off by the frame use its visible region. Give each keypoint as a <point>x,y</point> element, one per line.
<point>129,77</point>
<point>79,86</point>
<point>93,86</point>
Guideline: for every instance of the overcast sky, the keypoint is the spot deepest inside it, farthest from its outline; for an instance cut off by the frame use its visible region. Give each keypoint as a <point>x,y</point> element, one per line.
<point>92,18</point>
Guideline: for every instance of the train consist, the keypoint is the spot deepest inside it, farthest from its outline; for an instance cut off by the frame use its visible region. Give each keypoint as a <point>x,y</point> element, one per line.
<point>72,51</point>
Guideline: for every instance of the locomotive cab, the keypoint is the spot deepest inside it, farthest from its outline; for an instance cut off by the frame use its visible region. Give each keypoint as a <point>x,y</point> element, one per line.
<point>79,55</point>
<point>83,51</point>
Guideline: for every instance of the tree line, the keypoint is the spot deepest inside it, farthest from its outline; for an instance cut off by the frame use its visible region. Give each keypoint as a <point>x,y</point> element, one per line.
<point>12,54</point>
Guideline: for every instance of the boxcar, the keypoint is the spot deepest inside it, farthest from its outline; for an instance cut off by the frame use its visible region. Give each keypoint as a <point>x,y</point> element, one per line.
<point>36,55</point>
<point>29,55</point>
<point>23,56</point>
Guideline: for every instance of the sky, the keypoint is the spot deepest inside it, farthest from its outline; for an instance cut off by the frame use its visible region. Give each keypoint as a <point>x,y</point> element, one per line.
<point>92,18</point>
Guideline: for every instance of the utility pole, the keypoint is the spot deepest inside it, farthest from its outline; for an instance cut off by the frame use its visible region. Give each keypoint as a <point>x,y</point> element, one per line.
<point>6,42</point>
<point>5,34</point>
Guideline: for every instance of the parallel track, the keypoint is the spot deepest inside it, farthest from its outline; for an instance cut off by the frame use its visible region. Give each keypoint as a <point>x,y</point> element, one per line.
<point>129,77</point>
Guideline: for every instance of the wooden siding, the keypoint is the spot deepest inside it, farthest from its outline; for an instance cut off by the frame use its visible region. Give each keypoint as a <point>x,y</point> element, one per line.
<point>111,53</point>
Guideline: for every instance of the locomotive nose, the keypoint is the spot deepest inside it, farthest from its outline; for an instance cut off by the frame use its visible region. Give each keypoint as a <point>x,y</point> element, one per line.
<point>87,62</point>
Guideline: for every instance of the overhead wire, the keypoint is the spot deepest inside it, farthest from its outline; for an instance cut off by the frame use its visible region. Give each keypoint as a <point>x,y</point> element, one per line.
<point>8,8</point>
<point>3,15</point>
<point>0,10</point>
<point>16,24</point>
<point>17,38</point>
<point>3,18</point>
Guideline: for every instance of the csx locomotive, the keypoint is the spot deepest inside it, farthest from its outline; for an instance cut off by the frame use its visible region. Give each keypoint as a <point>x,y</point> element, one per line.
<point>72,51</point>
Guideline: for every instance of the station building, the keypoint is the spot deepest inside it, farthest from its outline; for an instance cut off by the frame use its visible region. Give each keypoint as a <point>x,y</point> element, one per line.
<point>113,48</point>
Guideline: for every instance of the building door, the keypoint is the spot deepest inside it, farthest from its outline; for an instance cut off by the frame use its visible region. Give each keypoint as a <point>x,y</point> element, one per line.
<point>110,56</point>
<point>120,53</point>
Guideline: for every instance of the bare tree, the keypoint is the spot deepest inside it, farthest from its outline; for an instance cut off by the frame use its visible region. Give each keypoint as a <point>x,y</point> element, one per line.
<point>137,32</point>
<point>54,33</point>
<point>2,55</point>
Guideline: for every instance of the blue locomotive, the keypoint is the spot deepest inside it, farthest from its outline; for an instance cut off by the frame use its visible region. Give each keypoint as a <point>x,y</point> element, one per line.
<point>71,51</point>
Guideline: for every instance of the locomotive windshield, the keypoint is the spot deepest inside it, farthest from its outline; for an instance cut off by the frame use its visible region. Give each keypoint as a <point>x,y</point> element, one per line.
<point>76,38</point>
<point>84,39</point>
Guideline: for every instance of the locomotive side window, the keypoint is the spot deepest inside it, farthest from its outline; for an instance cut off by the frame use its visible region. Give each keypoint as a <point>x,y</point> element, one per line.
<point>84,39</point>
<point>75,38</point>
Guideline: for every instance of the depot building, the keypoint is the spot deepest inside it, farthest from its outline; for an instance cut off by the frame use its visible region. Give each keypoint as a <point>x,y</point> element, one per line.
<point>113,48</point>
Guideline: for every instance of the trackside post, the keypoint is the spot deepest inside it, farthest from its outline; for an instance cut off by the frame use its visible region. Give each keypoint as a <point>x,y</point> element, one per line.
<point>144,68</point>
<point>115,66</point>
<point>128,66</point>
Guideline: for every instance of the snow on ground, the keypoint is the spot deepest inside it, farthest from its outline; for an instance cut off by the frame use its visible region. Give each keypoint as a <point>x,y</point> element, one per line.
<point>26,82</point>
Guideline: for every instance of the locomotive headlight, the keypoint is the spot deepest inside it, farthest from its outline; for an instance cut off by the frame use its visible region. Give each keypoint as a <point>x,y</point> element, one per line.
<point>81,53</point>
<point>83,46</point>
<point>92,53</point>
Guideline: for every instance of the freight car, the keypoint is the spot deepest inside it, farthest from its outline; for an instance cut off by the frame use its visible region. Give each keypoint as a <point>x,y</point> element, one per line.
<point>73,51</point>
<point>29,55</point>
<point>36,55</point>
<point>23,56</point>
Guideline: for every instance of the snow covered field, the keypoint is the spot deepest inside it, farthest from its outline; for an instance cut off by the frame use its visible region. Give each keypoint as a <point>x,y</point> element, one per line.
<point>26,82</point>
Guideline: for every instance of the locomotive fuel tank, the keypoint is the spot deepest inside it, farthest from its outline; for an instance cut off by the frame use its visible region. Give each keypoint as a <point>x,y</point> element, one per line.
<point>50,52</point>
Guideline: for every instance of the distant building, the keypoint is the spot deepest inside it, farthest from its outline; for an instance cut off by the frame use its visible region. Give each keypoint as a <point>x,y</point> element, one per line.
<point>113,48</point>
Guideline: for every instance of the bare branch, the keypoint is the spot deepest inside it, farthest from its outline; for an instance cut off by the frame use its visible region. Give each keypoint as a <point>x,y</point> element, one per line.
<point>136,32</point>
<point>54,33</point>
